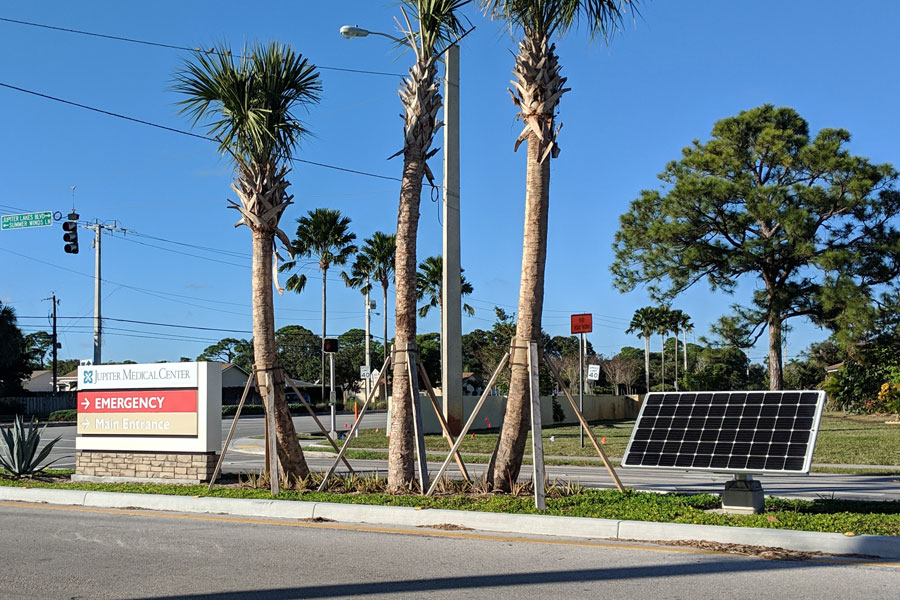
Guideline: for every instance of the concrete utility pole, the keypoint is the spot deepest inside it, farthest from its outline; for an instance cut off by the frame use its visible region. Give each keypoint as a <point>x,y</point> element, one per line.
<point>97,329</point>
<point>368,356</point>
<point>451,301</point>
<point>98,229</point>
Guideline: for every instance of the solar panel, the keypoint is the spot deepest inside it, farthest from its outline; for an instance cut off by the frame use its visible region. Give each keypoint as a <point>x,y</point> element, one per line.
<point>727,432</point>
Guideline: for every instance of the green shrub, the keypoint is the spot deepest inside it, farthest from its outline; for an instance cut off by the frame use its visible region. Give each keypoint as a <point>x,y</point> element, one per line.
<point>69,414</point>
<point>19,452</point>
<point>855,388</point>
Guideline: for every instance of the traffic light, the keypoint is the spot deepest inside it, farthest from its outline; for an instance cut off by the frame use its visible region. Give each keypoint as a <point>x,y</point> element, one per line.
<point>331,345</point>
<point>70,237</point>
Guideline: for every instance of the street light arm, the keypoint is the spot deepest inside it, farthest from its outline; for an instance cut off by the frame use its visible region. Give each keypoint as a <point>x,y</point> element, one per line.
<point>350,32</point>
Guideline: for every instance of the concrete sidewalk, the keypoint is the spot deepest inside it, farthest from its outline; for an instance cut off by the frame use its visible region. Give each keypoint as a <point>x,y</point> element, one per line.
<point>887,547</point>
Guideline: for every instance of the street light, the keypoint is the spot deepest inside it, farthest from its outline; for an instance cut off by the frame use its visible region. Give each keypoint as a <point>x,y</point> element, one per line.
<point>451,297</point>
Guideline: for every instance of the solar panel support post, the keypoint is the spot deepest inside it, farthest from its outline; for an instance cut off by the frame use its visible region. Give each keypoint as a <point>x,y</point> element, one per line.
<point>743,495</point>
<point>537,442</point>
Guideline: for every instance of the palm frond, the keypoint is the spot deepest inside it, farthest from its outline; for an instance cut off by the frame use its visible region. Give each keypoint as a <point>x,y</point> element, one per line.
<point>545,18</point>
<point>247,103</point>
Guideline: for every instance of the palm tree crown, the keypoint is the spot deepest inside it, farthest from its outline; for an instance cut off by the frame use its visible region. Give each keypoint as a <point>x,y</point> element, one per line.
<point>250,99</point>
<point>429,285</point>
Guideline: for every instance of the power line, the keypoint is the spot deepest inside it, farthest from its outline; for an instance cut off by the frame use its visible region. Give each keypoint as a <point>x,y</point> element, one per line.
<point>183,132</point>
<point>172,46</point>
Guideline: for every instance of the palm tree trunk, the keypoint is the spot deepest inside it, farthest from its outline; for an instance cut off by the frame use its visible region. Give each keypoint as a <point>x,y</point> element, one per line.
<point>662,363</point>
<point>684,349</point>
<point>528,326</point>
<point>400,450</point>
<point>324,334</point>
<point>675,356</point>
<point>647,361</point>
<point>293,463</point>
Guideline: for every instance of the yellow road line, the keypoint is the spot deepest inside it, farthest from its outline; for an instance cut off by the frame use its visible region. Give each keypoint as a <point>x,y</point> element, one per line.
<point>423,531</point>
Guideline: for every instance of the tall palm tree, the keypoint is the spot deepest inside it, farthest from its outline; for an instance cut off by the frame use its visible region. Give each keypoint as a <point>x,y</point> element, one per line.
<point>430,284</point>
<point>436,27</point>
<point>686,327</point>
<point>247,104</point>
<point>676,317</point>
<point>538,88</point>
<point>663,327</point>
<point>644,324</point>
<point>375,262</point>
<point>378,255</point>
<point>324,235</point>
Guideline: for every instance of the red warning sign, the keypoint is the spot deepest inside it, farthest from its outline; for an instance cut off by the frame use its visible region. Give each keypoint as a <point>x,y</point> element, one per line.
<point>582,323</point>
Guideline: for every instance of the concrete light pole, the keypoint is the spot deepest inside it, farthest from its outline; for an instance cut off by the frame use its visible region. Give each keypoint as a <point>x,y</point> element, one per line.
<point>451,297</point>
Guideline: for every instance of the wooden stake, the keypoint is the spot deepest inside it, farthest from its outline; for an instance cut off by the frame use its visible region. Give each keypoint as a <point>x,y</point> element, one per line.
<point>419,435</point>
<point>274,477</point>
<point>362,411</point>
<point>237,415</point>
<point>437,411</point>
<point>584,424</point>
<point>537,442</point>
<point>312,413</point>
<point>465,429</point>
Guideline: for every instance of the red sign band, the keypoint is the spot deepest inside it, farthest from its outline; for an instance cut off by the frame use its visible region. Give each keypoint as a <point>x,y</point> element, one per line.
<point>137,401</point>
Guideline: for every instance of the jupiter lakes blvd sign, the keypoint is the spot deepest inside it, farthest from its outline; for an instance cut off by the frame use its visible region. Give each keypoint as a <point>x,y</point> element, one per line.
<point>25,220</point>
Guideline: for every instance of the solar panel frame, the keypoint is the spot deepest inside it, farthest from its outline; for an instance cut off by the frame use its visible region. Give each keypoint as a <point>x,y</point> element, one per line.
<point>718,439</point>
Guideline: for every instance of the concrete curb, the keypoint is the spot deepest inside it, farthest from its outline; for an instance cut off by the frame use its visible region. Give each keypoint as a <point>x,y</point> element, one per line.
<point>807,541</point>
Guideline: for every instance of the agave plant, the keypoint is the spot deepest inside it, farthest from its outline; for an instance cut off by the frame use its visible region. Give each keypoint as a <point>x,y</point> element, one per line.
<point>19,453</point>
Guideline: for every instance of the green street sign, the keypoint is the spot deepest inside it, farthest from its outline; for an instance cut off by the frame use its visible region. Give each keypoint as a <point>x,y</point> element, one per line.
<point>34,219</point>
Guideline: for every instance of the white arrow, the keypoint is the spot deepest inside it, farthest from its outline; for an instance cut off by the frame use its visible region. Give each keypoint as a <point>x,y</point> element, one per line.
<point>85,403</point>
<point>85,423</point>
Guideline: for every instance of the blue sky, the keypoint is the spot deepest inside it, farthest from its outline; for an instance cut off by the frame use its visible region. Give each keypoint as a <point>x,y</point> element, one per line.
<point>634,104</point>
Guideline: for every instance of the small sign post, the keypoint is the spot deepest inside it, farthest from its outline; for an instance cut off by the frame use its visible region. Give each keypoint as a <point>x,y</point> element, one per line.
<point>581,324</point>
<point>43,218</point>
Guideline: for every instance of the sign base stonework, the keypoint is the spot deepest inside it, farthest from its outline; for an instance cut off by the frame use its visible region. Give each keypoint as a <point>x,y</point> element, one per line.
<point>171,467</point>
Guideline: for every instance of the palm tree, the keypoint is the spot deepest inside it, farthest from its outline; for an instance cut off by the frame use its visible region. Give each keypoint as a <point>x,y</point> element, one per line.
<point>663,327</point>
<point>686,326</point>
<point>247,104</point>
<point>676,317</point>
<point>438,26</point>
<point>429,286</point>
<point>644,324</point>
<point>322,234</point>
<point>375,262</point>
<point>538,88</point>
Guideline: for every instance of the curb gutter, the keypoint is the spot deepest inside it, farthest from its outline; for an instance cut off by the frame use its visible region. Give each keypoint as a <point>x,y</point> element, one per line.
<point>804,541</point>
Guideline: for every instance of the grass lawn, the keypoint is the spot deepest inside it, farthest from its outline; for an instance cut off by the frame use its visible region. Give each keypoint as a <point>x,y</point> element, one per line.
<point>852,518</point>
<point>843,439</point>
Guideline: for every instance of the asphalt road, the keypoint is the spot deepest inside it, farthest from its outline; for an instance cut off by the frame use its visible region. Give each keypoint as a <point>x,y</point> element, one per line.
<point>816,485</point>
<point>63,552</point>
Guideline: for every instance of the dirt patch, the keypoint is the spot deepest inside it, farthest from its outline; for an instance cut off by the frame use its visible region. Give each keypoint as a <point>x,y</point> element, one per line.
<point>447,527</point>
<point>766,552</point>
<point>317,520</point>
